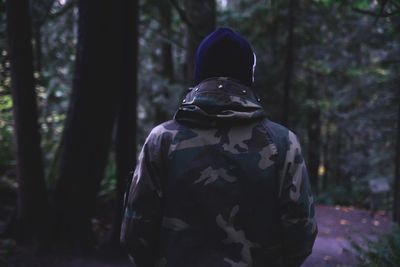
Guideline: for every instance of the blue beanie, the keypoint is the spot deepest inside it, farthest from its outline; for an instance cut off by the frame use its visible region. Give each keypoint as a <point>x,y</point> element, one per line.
<point>224,53</point>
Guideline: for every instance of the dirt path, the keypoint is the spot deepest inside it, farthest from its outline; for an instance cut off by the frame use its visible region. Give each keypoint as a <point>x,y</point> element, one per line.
<point>337,226</point>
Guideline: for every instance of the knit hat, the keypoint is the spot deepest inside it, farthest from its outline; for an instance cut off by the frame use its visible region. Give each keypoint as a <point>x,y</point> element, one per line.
<point>224,53</point>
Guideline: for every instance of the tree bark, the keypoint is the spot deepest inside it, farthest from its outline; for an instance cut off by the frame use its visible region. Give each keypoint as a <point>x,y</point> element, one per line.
<point>396,189</point>
<point>89,123</point>
<point>32,198</point>
<point>396,206</point>
<point>288,64</point>
<point>126,124</point>
<point>202,17</point>
<point>314,137</point>
<point>326,156</point>
<point>167,62</point>
<point>314,144</point>
<point>337,159</point>
<point>167,70</point>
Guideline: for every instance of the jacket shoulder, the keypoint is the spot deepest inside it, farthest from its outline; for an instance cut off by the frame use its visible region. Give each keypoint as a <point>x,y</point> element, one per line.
<point>276,130</point>
<point>280,136</point>
<point>164,130</point>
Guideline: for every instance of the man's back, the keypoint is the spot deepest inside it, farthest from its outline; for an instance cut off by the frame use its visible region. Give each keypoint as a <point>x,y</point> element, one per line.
<point>220,185</point>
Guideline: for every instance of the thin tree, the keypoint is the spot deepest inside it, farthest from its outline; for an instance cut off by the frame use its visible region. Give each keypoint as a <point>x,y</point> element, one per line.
<point>289,61</point>
<point>167,68</point>
<point>167,62</point>
<point>89,123</point>
<point>396,200</point>
<point>200,21</point>
<point>396,206</point>
<point>32,198</point>
<point>314,136</point>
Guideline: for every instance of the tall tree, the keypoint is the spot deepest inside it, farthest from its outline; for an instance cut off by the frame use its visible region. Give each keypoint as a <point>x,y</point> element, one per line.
<point>289,61</point>
<point>314,135</point>
<point>201,20</point>
<point>167,62</point>
<point>89,123</point>
<point>32,198</point>
<point>126,124</point>
<point>396,206</point>
<point>396,200</point>
<point>167,68</point>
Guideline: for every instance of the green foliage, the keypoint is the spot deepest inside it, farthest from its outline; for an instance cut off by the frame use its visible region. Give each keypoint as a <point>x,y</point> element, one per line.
<point>6,143</point>
<point>343,55</point>
<point>7,157</point>
<point>109,182</point>
<point>357,195</point>
<point>5,103</point>
<point>383,252</point>
<point>7,248</point>
<point>54,83</point>
<point>363,4</point>
<point>6,128</point>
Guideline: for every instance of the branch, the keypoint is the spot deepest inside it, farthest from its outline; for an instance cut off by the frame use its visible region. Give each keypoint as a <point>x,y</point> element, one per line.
<point>40,12</point>
<point>181,14</point>
<point>371,13</point>
<point>48,10</point>
<point>168,38</point>
<point>389,62</point>
<point>397,5</point>
<point>382,13</point>
<point>383,4</point>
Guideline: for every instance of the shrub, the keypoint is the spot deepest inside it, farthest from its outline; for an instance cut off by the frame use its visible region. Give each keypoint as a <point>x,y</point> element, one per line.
<point>385,252</point>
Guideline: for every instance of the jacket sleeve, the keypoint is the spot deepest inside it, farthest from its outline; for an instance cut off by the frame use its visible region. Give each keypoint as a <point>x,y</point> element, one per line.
<point>296,206</point>
<point>142,208</point>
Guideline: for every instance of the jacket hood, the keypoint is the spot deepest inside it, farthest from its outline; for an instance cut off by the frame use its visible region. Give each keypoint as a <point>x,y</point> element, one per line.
<point>217,102</point>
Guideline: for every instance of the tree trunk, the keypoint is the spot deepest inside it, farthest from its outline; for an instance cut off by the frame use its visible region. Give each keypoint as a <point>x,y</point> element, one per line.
<point>396,206</point>
<point>202,18</point>
<point>337,150</point>
<point>396,200</point>
<point>288,64</point>
<point>89,123</point>
<point>126,117</point>
<point>167,64</point>
<point>314,144</point>
<point>326,156</point>
<point>32,198</point>
<point>314,137</point>
<point>167,70</point>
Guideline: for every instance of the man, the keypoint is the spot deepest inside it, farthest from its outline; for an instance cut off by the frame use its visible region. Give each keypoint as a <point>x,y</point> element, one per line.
<point>220,184</point>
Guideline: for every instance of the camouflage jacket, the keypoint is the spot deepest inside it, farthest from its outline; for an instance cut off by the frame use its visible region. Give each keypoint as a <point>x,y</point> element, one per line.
<point>219,185</point>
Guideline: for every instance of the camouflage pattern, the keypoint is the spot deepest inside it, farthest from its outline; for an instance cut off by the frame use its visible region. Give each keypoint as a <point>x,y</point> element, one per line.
<point>219,185</point>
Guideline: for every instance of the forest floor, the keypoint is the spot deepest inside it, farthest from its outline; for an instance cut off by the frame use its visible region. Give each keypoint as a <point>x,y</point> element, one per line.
<point>338,227</point>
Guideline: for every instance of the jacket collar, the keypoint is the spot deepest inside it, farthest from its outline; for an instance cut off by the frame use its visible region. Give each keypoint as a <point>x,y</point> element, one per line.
<point>222,85</point>
<point>219,101</point>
